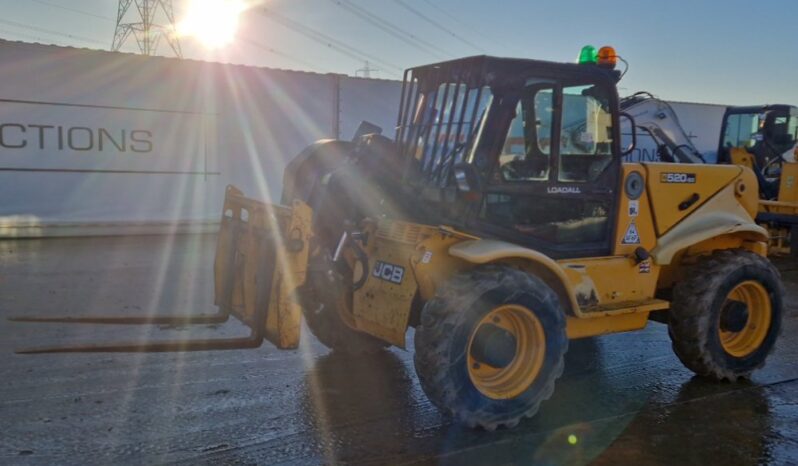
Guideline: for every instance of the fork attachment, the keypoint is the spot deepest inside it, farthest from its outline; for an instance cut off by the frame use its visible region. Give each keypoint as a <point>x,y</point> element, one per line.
<point>215,318</point>
<point>261,260</point>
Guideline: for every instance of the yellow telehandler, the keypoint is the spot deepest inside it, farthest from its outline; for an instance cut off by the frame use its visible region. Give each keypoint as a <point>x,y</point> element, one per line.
<point>499,233</point>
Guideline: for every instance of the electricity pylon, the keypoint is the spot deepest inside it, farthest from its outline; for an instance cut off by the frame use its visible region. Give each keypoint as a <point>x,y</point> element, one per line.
<point>140,19</point>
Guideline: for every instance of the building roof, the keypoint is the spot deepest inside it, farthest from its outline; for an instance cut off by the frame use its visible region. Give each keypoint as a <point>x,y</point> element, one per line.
<point>135,56</point>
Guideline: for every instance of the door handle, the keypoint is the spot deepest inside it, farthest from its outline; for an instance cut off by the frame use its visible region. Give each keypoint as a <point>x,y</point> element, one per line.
<point>687,203</point>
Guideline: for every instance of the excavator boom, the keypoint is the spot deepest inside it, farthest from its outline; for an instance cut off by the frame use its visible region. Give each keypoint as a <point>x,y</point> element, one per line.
<point>658,118</point>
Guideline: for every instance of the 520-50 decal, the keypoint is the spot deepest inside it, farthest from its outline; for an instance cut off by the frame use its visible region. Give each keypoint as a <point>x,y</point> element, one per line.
<point>678,178</point>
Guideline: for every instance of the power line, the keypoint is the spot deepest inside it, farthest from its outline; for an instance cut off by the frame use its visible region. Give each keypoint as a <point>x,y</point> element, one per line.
<point>438,25</point>
<point>392,29</point>
<point>324,39</point>
<point>470,28</point>
<point>50,31</point>
<point>366,70</point>
<point>73,10</point>
<point>21,34</point>
<point>299,61</point>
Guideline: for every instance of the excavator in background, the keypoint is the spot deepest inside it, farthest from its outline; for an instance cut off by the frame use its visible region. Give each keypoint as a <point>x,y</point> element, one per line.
<point>658,119</point>
<point>762,138</point>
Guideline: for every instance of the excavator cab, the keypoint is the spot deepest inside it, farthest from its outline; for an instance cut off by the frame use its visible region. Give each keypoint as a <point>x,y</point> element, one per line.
<point>767,133</point>
<point>764,138</point>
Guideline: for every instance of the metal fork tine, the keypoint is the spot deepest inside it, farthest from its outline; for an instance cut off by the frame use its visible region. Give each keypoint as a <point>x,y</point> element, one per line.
<point>215,318</point>
<point>168,346</point>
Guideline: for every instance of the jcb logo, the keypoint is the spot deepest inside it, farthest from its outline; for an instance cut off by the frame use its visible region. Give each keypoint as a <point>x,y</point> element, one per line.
<point>678,178</point>
<point>389,272</point>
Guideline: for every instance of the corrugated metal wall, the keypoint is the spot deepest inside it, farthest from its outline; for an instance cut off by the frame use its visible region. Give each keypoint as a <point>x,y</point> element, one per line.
<point>92,142</point>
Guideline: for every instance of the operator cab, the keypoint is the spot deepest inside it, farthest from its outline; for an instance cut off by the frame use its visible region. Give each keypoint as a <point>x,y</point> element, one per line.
<point>537,143</point>
<point>767,132</point>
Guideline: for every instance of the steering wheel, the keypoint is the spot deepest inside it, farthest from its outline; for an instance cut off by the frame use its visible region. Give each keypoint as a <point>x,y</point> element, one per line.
<point>511,170</point>
<point>779,160</point>
<point>446,161</point>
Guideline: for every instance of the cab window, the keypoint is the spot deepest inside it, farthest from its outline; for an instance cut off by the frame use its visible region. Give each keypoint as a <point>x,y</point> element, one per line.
<point>555,134</point>
<point>782,133</point>
<point>740,130</point>
<point>793,127</point>
<point>586,135</point>
<point>526,150</point>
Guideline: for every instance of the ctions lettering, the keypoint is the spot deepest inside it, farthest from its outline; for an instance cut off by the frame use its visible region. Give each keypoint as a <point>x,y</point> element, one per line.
<point>76,138</point>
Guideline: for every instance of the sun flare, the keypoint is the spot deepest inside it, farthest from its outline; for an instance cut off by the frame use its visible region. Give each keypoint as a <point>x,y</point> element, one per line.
<point>212,22</point>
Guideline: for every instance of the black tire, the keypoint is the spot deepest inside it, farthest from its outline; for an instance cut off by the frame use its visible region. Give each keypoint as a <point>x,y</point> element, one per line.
<point>442,339</point>
<point>330,289</point>
<point>698,302</point>
<point>303,174</point>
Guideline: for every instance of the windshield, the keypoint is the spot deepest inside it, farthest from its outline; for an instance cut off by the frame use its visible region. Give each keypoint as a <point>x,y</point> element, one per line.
<point>741,129</point>
<point>585,135</point>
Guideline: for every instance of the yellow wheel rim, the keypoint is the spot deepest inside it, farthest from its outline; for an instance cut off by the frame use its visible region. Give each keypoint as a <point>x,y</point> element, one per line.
<point>752,334</point>
<point>530,349</point>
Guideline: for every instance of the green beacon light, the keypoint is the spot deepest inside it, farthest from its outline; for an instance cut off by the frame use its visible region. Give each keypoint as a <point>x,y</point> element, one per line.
<point>588,55</point>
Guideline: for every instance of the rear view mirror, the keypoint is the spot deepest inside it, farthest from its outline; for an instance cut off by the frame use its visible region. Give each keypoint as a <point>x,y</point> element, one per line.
<point>366,128</point>
<point>633,129</point>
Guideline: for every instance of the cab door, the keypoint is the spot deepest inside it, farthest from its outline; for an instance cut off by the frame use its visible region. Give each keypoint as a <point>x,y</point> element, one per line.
<point>554,182</point>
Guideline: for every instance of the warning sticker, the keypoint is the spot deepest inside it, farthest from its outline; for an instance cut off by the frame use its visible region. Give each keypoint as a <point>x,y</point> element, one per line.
<point>634,208</point>
<point>645,267</point>
<point>631,236</point>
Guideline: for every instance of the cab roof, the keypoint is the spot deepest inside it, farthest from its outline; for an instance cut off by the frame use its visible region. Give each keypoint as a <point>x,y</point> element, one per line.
<point>482,70</point>
<point>759,108</point>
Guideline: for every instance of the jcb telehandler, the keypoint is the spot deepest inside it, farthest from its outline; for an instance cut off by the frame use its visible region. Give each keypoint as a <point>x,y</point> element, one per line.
<point>500,223</point>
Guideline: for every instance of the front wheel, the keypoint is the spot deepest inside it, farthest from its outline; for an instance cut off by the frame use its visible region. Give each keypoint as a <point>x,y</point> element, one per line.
<point>490,346</point>
<point>332,289</point>
<point>726,316</point>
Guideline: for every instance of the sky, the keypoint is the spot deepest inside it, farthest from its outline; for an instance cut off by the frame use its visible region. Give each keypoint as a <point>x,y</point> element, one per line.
<point>732,52</point>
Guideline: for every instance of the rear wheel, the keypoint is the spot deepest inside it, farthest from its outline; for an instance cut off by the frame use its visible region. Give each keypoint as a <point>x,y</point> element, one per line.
<point>726,316</point>
<point>490,346</point>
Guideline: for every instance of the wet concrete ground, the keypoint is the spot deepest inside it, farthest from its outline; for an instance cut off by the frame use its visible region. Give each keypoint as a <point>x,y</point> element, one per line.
<point>625,399</point>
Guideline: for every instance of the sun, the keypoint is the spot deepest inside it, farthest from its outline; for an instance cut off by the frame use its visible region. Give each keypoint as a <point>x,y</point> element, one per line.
<point>212,22</point>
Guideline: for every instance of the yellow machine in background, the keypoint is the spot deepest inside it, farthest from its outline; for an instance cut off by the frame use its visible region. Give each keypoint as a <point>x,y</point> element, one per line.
<point>499,223</point>
<point>762,138</point>
<point>780,214</point>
